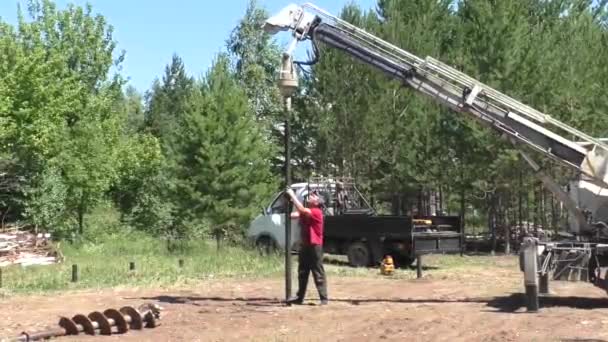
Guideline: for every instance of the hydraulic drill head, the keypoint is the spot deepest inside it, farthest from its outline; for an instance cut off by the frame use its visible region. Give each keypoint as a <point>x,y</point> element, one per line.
<point>288,78</point>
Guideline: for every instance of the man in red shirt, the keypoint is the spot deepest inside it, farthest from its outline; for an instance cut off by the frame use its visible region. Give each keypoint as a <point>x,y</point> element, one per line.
<point>310,257</point>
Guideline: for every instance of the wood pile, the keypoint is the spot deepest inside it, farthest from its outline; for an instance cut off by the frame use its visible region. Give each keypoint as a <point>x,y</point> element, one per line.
<point>25,249</point>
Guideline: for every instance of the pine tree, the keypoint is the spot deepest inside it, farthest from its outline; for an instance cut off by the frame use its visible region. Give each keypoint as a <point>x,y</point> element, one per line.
<point>168,100</point>
<point>255,58</point>
<point>134,107</point>
<point>223,162</point>
<point>148,195</point>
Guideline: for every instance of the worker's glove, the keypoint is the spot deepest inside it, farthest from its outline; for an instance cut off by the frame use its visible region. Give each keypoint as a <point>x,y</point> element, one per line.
<point>289,192</point>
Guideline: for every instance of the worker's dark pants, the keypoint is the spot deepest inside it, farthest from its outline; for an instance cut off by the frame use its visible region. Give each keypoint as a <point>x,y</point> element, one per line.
<point>310,259</point>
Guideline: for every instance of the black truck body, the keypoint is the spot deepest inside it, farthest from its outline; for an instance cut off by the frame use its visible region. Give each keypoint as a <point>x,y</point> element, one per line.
<point>367,238</point>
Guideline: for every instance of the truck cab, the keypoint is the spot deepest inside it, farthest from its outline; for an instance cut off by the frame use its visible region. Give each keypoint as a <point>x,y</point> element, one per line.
<point>267,230</point>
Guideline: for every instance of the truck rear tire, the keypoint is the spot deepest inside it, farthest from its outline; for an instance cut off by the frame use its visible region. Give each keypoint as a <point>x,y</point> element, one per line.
<point>265,245</point>
<point>358,254</point>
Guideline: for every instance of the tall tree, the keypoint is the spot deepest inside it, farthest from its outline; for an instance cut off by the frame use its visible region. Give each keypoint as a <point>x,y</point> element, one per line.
<point>62,104</point>
<point>373,128</point>
<point>168,100</point>
<point>223,164</point>
<point>134,107</point>
<point>255,57</point>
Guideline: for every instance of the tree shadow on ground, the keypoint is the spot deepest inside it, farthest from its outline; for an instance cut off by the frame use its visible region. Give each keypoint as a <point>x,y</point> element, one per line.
<point>514,303</point>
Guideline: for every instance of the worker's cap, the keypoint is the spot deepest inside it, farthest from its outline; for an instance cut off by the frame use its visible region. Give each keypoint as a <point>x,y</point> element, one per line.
<point>319,196</point>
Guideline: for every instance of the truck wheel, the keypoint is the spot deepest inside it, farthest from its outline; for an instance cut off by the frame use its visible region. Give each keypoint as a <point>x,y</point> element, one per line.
<point>265,245</point>
<point>358,254</point>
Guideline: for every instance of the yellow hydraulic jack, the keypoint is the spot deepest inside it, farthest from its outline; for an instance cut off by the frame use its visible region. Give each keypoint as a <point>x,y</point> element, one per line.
<point>388,266</point>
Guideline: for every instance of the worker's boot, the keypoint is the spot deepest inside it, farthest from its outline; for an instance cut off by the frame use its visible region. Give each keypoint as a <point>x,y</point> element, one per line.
<point>295,301</point>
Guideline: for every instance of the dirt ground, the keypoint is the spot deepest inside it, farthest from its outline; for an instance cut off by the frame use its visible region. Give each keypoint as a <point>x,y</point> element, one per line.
<point>484,304</point>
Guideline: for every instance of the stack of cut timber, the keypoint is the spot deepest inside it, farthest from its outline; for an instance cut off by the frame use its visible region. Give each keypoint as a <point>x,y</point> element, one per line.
<point>24,248</point>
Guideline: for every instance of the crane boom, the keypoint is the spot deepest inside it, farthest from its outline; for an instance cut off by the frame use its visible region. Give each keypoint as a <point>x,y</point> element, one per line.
<point>521,124</point>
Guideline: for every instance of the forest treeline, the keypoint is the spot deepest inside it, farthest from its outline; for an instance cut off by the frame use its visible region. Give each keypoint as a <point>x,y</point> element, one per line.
<point>193,156</point>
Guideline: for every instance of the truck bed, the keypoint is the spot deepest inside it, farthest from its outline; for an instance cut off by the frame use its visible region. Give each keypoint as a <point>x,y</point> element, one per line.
<point>349,226</point>
<point>440,234</point>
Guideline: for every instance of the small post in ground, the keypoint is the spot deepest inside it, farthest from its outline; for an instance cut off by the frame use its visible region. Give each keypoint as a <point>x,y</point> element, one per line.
<point>543,287</point>
<point>419,266</point>
<point>74,273</point>
<point>218,240</point>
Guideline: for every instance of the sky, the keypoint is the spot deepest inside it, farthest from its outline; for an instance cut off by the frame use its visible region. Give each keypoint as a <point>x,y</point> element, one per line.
<point>151,31</point>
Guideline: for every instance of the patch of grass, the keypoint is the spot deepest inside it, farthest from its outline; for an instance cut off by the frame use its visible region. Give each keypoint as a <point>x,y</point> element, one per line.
<point>445,266</point>
<point>468,261</point>
<point>106,264</point>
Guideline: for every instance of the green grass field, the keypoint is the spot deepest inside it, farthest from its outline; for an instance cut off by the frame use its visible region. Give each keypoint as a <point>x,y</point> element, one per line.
<point>444,266</point>
<point>106,264</point>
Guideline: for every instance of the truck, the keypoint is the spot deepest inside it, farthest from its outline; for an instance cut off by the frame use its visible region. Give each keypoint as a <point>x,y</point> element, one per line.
<point>356,229</point>
<point>580,255</point>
